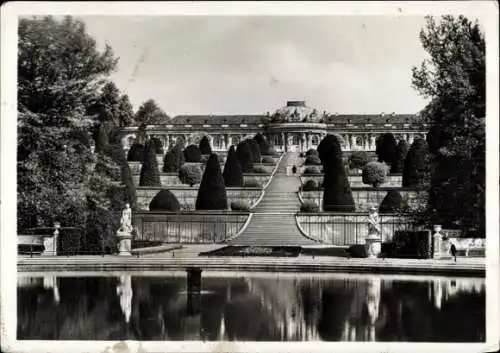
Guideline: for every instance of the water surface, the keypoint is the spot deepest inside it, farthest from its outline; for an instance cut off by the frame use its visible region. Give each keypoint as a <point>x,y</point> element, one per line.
<point>251,307</point>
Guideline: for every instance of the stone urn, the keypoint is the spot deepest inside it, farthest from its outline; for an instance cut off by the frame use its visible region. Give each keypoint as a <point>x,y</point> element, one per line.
<point>373,245</point>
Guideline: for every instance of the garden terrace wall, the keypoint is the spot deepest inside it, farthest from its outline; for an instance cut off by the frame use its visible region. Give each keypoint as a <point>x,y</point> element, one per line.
<point>364,198</point>
<point>187,196</point>
<point>345,229</point>
<point>172,179</point>
<point>393,180</point>
<point>195,228</point>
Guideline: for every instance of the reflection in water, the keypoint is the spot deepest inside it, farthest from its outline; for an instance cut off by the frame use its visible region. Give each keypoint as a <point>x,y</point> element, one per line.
<point>252,308</point>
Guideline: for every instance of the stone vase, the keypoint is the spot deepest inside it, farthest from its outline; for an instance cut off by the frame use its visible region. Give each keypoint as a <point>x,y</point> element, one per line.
<point>124,243</point>
<point>373,246</point>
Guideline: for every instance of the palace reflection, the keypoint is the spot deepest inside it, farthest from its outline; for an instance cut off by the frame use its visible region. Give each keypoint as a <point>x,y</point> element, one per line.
<point>252,308</point>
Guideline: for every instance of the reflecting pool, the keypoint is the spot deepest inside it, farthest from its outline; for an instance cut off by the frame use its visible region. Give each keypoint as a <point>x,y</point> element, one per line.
<point>251,307</point>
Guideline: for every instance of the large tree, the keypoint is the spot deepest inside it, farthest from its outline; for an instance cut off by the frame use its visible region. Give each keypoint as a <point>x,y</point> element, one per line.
<point>150,113</point>
<point>454,79</point>
<point>60,72</point>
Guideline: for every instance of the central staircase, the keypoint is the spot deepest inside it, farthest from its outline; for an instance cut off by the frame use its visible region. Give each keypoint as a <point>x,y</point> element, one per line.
<point>273,220</point>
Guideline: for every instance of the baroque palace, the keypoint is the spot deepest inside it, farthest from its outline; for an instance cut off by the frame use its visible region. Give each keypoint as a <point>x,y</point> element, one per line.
<point>294,127</point>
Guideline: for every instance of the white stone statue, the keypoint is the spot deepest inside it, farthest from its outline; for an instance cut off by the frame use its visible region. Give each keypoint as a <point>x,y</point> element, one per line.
<point>373,241</point>
<point>124,234</point>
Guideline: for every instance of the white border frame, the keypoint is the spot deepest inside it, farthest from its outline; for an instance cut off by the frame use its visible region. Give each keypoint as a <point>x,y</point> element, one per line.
<point>485,11</point>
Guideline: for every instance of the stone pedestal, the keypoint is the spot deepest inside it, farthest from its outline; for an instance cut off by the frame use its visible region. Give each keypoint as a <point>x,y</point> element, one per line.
<point>124,243</point>
<point>373,246</point>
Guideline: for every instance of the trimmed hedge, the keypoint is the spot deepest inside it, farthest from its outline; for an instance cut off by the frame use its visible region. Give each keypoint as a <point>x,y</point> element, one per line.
<point>267,159</point>
<point>157,145</point>
<point>312,170</point>
<point>358,160</point>
<point>240,206</point>
<point>255,150</point>
<point>136,153</point>
<point>190,173</point>
<point>150,174</point>
<point>245,157</point>
<point>375,174</point>
<point>392,203</point>
<point>312,152</point>
<point>312,160</point>
<point>309,207</point>
<point>233,175</point>
<point>192,154</point>
<point>399,161</point>
<point>164,201</point>
<point>212,191</point>
<point>263,144</point>
<point>204,146</point>
<point>416,170</point>
<point>310,185</point>
<point>173,160</point>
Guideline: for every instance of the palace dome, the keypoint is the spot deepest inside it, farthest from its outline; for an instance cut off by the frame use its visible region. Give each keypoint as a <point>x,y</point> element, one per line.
<point>296,111</point>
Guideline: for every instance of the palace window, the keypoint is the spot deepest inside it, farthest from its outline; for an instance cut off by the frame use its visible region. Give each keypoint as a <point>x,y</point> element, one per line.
<point>295,140</point>
<point>235,140</point>
<point>315,140</point>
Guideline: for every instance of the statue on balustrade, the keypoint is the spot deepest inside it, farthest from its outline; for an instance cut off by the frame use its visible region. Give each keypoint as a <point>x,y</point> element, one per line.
<point>374,222</point>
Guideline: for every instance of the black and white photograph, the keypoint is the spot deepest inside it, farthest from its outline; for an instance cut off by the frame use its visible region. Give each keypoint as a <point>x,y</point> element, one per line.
<point>250,176</point>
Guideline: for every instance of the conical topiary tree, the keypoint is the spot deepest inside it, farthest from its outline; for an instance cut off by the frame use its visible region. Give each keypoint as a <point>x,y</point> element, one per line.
<point>233,176</point>
<point>136,153</point>
<point>164,201</point>
<point>399,161</point>
<point>337,195</point>
<point>173,160</point>
<point>150,175</point>
<point>386,148</point>
<point>255,149</point>
<point>204,146</point>
<point>212,192</point>
<point>263,144</point>
<point>192,154</point>
<point>157,144</point>
<point>244,156</point>
<point>392,203</point>
<point>416,170</point>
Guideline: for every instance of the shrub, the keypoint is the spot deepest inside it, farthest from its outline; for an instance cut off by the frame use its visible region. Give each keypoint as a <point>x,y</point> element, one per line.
<point>192,154</point>
<point>268,159</point>
<point>392,202</point>
<point>357,250</point>
<point>374,173</point>
<point>309,207</point>
<point>416,166</point>
<point>312,160</point>
<point>164,201</point>
<point>261,169</point>
<point>337,196</point>
<point>255,150</point>
<point>204,146</point>
<point>150,175</point>
<point>358,159</point>
<point>399,161</point>
<point>312,152</point>
<point>136,153</point>
<point>190,173</point>
<point>252,183</point>
<point>212,191</point>
<point>173,159</point>
<point>240,206</point>
<point>244,156</point>
<point>158,146</point>
<point>386,148</point>
<point>232,174</point>
<point>302,154</point>
<point>263,143</point>
<point>310,185</point>
<point>312,170</point>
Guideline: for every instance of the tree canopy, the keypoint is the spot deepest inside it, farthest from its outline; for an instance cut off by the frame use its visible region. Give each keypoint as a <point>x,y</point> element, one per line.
<point>454,79</point>
<point>150,113</point>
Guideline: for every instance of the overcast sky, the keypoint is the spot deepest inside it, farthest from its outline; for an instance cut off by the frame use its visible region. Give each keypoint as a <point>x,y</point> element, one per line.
<point>238,65</point>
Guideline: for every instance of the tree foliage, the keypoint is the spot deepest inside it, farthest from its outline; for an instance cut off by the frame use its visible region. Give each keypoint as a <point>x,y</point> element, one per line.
<point>60,73</point>
<point>245,156</point>
<point>173,160</point>
<point>399,161</point>
<point>454,79</point>
<point>192,154</point>
<point>358,159</point>
<point>416,170</point>
<point>136,153</point>
<point>375,174</point>
<point>386,148</point>
<point>263,144</point>
<point>150,113</point>
<point>190,173</point>
<point>212,192</point>
<point>233,175</point>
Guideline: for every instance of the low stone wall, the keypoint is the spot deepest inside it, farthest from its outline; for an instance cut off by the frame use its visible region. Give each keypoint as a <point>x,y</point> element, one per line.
<point>187,196</point>
<point>357,180</point>
<point>364,198</point>
<point>345,229</point>
<point>194,228</point>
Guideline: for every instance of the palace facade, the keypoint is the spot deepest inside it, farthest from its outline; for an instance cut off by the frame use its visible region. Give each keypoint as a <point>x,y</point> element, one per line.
<point>294,127</point>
